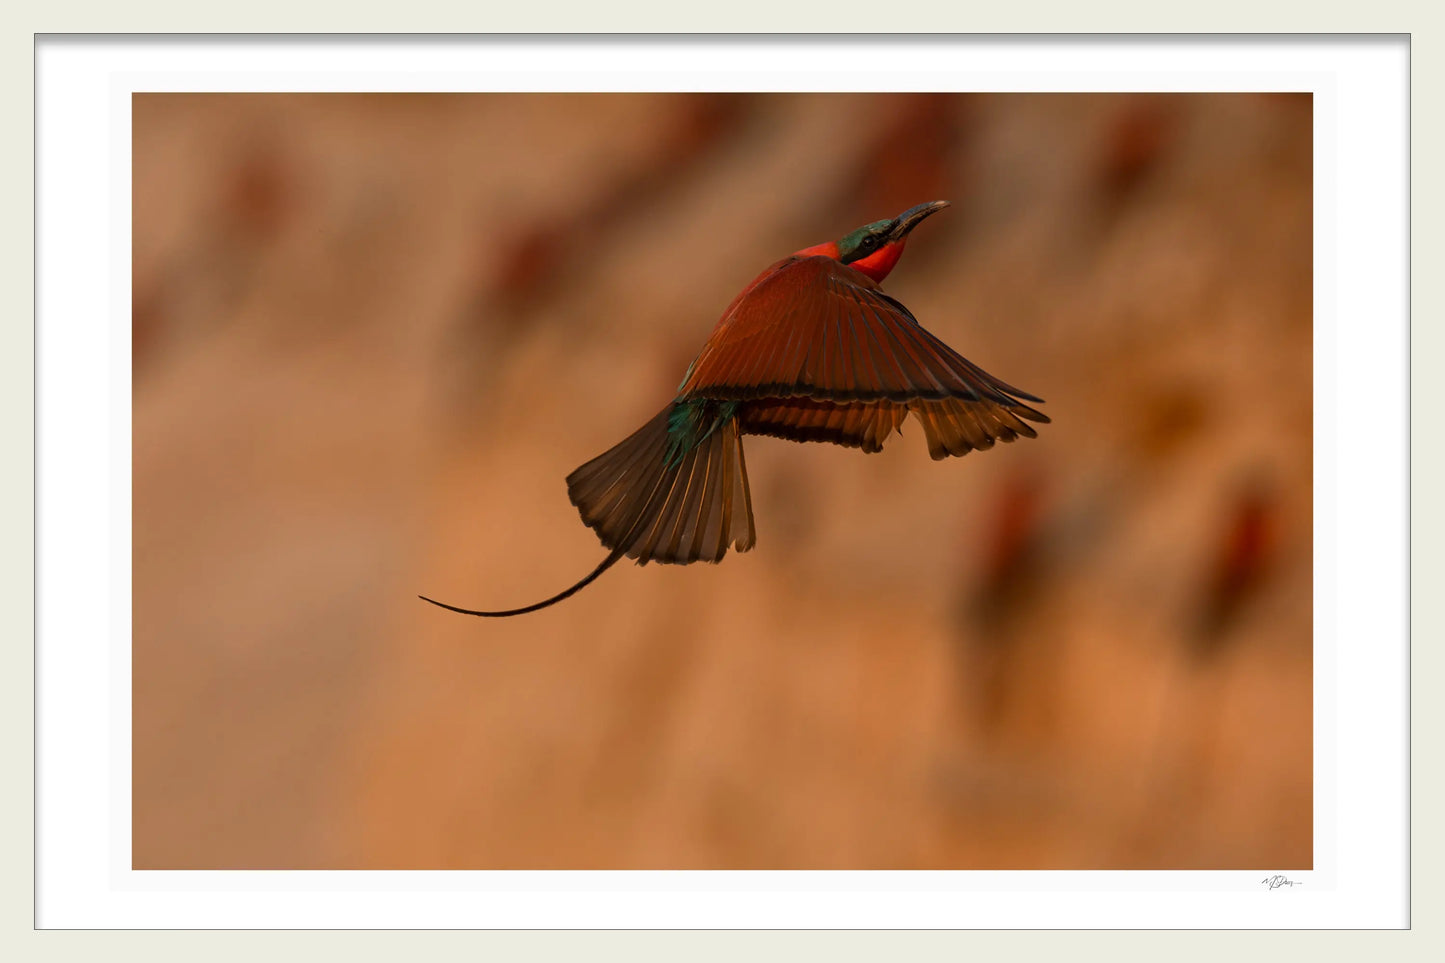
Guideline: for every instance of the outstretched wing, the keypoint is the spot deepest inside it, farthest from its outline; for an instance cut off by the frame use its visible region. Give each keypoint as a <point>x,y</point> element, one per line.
<point>814,330</point>
<point>812,327</point>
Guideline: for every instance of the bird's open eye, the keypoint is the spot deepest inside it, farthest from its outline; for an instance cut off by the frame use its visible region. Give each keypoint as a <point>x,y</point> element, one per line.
<point>868,243</point>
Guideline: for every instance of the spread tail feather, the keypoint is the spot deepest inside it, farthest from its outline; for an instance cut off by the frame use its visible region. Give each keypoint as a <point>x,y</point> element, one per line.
<point>650,502</point>
<point>656,502</point>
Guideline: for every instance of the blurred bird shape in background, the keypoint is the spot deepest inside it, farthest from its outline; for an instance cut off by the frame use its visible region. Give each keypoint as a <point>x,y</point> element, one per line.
<point>1243,555</point>
<point>543,254</point>
<point>1134,147</point>
<point>210,275</point>
<point>922,147</point>
<point>543,251</point>
<point>1007,585</point>
<point>811,350</point>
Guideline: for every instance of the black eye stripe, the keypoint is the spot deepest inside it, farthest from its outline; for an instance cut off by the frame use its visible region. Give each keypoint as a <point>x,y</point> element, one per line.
<point>863,242</point>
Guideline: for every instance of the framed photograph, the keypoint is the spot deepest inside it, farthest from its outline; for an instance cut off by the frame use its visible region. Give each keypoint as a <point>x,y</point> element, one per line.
<point>1046,573</point>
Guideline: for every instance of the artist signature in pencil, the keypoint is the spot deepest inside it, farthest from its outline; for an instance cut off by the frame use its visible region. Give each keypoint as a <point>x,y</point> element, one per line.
<point>1275,882</point>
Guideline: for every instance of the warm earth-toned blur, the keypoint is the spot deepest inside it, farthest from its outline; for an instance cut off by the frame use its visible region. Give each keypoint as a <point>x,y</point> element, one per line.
<point>374,333</point>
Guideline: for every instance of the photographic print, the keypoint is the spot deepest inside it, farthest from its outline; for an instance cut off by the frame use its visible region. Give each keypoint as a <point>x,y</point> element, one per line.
<point>994,553</point>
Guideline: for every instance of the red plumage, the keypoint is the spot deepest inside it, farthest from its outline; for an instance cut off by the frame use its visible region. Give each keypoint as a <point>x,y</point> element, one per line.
<point>812,328</point>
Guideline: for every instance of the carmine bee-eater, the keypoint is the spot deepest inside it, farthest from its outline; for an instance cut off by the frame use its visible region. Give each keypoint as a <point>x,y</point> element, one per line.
<point>812,350</point>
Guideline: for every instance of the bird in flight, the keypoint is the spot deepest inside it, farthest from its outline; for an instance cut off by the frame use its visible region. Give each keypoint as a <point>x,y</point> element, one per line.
<point>811,350</point>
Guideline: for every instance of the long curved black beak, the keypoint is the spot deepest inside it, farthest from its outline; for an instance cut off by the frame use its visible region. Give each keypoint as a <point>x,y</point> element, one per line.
<point>912,217</point>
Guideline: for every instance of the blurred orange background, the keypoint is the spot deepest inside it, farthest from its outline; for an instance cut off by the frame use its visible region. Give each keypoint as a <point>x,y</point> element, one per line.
<point>373,334</point>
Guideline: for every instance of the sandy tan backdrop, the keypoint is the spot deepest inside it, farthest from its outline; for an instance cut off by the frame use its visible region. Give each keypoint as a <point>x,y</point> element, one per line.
<point>372,335</point>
